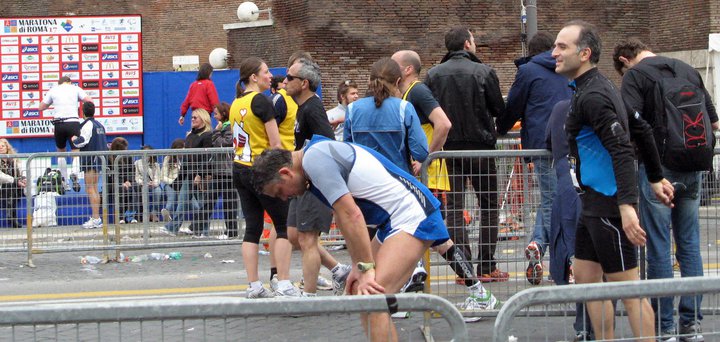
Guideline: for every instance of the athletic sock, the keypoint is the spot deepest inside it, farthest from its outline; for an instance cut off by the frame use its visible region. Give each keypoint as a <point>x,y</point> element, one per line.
<point>284,284</point>
<point>337,270</point>
<point>62,165</point>
<point>273,271</point>
<point>256,285</point>
<point>460,264</point>
<point>305,294</point>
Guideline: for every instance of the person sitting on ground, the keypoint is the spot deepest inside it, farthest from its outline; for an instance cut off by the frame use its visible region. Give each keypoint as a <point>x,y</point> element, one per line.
<point>92,138</point>
<point>12,185</point>
<point>168,174</point>
<point>153,176</point>
<point>121,174</point>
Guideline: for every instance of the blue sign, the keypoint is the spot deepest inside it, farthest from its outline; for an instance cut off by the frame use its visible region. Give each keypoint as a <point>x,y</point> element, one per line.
<point>128,101</point>
<point>109,56</point>
<point>70,66</point>
<point>30,49</point>
<point>10,77</point>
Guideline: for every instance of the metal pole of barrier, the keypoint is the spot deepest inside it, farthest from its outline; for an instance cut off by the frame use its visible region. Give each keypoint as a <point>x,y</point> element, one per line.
<point>600,291</point>
<point>29,209</point>
<point>145,198</point>
<point>224,307</point>
<point>116,199</point>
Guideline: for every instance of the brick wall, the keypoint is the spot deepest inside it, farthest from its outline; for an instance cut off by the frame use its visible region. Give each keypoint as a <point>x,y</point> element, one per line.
<point>346,37</point>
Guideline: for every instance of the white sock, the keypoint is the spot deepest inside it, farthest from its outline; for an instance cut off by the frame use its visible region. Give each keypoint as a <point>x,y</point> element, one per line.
<point>256,285</point>
<point>62,165</point>
<point>477,289</point>
<point>309,294</point>
<point>284,284</point>
<point>337,270</point>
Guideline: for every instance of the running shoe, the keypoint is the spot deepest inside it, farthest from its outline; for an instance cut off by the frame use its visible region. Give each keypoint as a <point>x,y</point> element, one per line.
<point>92,223</point>
<point>338,281</point>
<point>262,292</point>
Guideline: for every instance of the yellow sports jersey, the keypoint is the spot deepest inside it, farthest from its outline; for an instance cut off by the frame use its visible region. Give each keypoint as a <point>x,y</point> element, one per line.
<point>249,135</point>
<point>437,170</point>
<point>287,127</point>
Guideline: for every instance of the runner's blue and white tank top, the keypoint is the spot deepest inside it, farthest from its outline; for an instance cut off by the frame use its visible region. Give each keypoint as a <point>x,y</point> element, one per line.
<point>389,198</point>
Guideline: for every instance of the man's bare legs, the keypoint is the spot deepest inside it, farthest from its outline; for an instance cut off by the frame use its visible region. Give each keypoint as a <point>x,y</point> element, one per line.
<point>601,313</point>
<point>395,260</point>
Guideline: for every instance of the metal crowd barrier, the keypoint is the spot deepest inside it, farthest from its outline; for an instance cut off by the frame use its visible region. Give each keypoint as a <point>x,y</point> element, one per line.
<point>225,318</point>
<point>132,213</point>
<point>548,313</point>
<point>518,197</point>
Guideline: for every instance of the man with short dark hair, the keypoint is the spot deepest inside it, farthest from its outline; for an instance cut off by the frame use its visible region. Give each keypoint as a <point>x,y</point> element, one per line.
<point>91,138</point>
<point>364,188</point>
<point>641,69</point>
<point>469,93</point>
<point>602,162</point>
<point>65,98</point>
<point>536,90</point>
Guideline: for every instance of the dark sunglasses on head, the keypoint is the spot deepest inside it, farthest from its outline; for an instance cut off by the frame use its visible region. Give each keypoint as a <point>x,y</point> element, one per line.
<point>290,78</point>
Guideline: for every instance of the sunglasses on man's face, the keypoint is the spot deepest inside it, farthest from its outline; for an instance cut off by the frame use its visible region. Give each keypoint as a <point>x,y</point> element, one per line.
<point>290,78</point>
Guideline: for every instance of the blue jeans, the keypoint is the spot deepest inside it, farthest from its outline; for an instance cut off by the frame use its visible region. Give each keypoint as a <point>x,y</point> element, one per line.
<point>547,179</point>
<point>183,206</point>
<point>170,196</point>
<point>656,218</point>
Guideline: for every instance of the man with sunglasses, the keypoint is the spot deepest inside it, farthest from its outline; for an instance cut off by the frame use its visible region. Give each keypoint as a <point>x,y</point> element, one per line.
<point>307,215</point>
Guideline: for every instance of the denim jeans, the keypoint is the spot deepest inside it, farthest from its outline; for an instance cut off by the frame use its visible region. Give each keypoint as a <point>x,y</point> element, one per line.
<point>182,208</point>
<point>656,219</point>
<point>545,174</point>
<point>170,196</point>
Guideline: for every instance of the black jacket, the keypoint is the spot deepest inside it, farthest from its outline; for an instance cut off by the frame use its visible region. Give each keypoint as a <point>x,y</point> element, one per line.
<point>197,164</point>
<point>469,93</point>
<point>599,142</point>
<point>638,90</point>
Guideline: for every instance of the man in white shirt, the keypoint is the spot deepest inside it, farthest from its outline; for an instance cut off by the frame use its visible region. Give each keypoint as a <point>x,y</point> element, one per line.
<point>65,97</point>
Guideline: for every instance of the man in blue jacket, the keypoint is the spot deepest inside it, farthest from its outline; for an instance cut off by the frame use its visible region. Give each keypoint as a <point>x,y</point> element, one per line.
<point>537,88</point>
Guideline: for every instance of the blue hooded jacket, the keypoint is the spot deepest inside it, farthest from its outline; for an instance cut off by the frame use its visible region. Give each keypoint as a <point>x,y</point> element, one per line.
<point>536,90</point>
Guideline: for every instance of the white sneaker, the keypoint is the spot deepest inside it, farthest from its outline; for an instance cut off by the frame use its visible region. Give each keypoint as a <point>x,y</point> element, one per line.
<point>416,283</point>
<point>477,301</point>
<point>291,292</point>
<point>222,237</point>
<point>322,284</point>
<point>338,281</point>
<point>185,231</point>
<point>166,215</point>
<point>259,293</point>
<point>165,231</point>
<point>122,222</point>
<point>274,283</point>
<point>133,221</point>
<point>92,223</point>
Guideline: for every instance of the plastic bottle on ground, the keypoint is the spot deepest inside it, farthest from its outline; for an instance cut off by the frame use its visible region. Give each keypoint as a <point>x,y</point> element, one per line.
<point>175,255</point>
<point>89,259</point>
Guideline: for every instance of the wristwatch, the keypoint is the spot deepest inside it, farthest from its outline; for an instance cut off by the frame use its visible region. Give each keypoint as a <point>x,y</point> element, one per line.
<point>365,266</point>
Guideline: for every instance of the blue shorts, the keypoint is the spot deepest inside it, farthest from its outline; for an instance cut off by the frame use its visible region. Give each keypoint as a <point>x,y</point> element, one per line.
<point>90,163</point>
<point>431,229</point>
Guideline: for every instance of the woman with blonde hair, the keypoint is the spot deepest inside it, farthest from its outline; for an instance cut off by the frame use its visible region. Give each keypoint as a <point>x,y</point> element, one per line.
<point>11,183</point>
<point>194,175</point>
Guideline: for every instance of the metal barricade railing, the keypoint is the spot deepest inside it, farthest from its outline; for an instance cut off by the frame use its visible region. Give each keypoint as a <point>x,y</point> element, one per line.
<point>513,164</point>
<point>132,215</point>
<point>63,231</point>
<point>507,181</point>
<point>552,320</point>
<point>220,318</point>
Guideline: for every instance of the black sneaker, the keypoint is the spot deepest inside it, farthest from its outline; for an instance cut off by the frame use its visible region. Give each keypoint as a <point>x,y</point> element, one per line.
<point>691,332</point>
<point>75,183</point>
